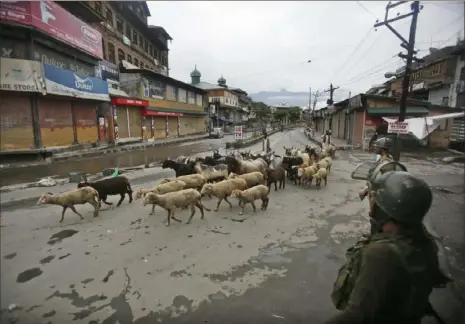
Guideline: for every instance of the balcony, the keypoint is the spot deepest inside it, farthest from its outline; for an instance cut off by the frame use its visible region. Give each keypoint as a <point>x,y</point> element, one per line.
<point>224,101</point>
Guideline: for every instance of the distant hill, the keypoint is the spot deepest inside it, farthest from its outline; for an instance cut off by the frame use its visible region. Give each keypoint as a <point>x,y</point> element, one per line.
<point>276,98</point>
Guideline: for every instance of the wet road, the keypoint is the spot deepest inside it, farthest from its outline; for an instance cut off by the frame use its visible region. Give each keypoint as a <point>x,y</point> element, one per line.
<point>92,165</point>
<point>274,266</point>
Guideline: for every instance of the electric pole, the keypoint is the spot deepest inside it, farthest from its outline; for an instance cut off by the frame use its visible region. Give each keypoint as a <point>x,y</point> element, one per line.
<point>409,46</point>
<point>331,92</point>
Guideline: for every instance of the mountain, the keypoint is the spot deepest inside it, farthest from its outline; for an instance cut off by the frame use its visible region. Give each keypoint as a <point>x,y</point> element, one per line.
<point>277,98</point>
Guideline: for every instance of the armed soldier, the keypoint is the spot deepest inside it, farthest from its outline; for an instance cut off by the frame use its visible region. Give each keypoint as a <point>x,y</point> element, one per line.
<point>389,276</point>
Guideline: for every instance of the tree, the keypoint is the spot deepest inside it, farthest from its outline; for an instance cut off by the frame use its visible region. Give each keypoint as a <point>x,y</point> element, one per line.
<point>280,115</point>
<point>262,112</point>
<point>294,114</point>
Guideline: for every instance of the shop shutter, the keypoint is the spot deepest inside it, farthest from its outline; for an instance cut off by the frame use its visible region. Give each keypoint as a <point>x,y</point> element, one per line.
<point>122,118</point>
<point>85,116</point>
<point>172,127</point>
<point>160,127</point>
<point>16,132</point>
<point>56,123</point>
<point>148,127</point>
<point>135,122</point>
<point>199,124</point>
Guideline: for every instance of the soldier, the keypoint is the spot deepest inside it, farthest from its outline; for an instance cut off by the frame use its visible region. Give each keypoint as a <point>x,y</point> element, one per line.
<point>389,276</point>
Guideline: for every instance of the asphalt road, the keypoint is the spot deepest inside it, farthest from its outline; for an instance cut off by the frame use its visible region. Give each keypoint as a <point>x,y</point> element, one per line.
<point>276,266</point>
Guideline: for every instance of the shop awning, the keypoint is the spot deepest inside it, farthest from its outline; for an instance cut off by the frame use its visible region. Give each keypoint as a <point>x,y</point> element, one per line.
<point>158,111</point>
<point>394,111</point>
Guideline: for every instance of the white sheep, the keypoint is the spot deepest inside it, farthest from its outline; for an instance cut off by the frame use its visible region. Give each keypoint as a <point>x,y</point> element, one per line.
<point>70,198</point>
<point>306,174</point>
<point>322,174</point>
<point>192,181</point>
<point>223,189</point>
<point>179,199</point>
<point>325,163</point>
<point>161,189</point>
<point>252,178</point>
<point>250,195</point>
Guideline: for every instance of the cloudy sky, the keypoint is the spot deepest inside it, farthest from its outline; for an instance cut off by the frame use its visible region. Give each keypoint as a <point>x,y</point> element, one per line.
<point>261,46</point>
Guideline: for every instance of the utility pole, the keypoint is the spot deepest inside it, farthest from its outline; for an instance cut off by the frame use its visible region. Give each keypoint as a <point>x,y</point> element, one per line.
<point>409,46</point>
<point>331,92</point>
<point>315,99</point>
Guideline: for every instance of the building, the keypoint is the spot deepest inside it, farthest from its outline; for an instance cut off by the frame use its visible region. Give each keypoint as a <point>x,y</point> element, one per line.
<point>232,105</point>
<point>355,119</point>
<point>50,96</point>
<point>166,108</point>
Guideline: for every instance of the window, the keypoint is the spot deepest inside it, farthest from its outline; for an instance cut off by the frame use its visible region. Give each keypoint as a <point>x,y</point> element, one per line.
<point>109,16</point>
<point>128,31</point>
<point>141,41</point>
<point>146,46</point>
<point>136,62</point>
<point>104,51</point>
<point>129,58</point>
<point>141,64</point>
<point>111,53</point>
<point>98,6</point>
<point>436,69</point>
<point>156,54</point>
<point>119,25</point>
<point>121,55</point>
<point>134,37</point>
<point>150,50</point>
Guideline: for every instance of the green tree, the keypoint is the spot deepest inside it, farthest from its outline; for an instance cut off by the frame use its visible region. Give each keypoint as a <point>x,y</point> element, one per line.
<point>280,115</point>
<point>262,112</point>
<point>294,113</point>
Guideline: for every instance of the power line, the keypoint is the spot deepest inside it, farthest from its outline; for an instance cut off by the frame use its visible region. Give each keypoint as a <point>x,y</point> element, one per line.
<point>355,80</point>
<point>376,66</point>
<point>364,8</point>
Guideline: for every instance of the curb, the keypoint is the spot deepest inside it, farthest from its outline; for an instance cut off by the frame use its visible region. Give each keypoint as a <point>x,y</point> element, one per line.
<point>255,140</point>
<point>345,147</point>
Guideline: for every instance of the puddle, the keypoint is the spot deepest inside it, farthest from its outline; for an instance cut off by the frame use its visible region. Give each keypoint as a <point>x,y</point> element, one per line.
<point>29,274</point>
<point>47,259</point>
<point>9,256</point>
<point>107,277</point>
<point>58,237</point>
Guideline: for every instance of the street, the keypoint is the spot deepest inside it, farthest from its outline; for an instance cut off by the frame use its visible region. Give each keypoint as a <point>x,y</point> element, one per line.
<point>274,266</point>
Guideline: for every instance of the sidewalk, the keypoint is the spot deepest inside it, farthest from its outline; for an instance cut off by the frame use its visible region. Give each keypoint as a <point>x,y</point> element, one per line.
<point>97,151</point>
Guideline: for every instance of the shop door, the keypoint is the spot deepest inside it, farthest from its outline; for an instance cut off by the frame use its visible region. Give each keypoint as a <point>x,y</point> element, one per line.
<point>199,125</point>
<point>135,122</point>
<point>160,127</point>
<point>122,118</point>
<point>85,116</point>
<point>185,125</point>
<point>16,132</point>
<point>56,122</point>
<point>172,127</point>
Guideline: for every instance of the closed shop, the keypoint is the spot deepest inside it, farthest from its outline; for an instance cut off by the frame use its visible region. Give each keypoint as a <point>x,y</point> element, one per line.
<point>191,125</point>
<point>129,122</point>
<point>55,121</point>
<point>160,127</point>
<point>147,123</point>
<point>85,116</point>
<point>122,118</point>
<point>16,132</point>
<point>172,126</point>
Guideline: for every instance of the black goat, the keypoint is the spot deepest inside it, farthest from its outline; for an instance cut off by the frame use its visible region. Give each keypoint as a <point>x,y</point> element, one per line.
<point>109,187</point>
<point>217,155</point>
<point>289,162</point>
<point>275,176</point>
<point>179,168</point>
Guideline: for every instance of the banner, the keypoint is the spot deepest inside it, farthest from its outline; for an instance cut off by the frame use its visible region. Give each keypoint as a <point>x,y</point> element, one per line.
<point>20,75</point>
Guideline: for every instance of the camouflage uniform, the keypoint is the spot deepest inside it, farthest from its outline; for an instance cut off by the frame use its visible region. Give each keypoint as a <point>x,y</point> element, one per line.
<point>388,277</point>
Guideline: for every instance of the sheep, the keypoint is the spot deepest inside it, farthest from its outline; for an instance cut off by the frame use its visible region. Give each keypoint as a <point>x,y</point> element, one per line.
<point>179,168</point>
<point>70,198</point>
<point>274,176</point>
<point>250,195</point>
<point>179,199</point>
<point>242,167</point>
<point>223,189</point>
<point>252,178</point>
<point>322,174</point>
<point>325,163</point>
<point>212,173</point>
<point>275,161</point>
<point>111,186</point>
<point>306,174</point>
<point>192,181</point>
<point>161,189</point>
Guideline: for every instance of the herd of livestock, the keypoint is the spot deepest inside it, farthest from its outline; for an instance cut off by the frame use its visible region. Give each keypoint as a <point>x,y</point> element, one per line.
<point>246,176</point>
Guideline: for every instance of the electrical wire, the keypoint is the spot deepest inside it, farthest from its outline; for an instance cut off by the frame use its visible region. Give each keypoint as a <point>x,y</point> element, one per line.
<point>374,67</point>
<point>364,8</point>
<point>355,80</point>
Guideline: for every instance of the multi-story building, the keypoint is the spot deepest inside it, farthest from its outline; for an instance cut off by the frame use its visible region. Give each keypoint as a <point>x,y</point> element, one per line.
<point>49,94</point>
<point>231,104</point>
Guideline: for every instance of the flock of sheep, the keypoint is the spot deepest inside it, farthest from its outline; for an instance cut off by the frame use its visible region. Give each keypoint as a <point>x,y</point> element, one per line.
<point>242,175</point>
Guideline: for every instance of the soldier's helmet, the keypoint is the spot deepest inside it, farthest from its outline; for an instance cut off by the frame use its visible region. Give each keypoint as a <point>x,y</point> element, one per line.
<point>404,197</point>
<point>383,143</point>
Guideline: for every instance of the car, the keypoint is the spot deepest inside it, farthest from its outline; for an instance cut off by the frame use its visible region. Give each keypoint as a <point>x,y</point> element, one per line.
<point>217,133</point>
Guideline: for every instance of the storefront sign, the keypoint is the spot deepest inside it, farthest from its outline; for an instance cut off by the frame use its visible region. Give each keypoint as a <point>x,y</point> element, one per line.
<point>13,48</point>
<point>67,83</point>
<point>129,102</point>
<point>153,89</point>
<point>50,57</point>
<point>106,70</point>
<point>20,75</point>
<point>238,132</point>
<point>55,21</point>
<point>162,113</point>
<point>398,127</point>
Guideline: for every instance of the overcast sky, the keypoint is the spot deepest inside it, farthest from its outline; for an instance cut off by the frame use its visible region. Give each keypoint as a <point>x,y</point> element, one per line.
<point>265,45</point>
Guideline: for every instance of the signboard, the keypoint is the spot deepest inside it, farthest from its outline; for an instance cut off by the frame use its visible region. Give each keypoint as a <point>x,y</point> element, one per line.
<point>106,70</point>
<point>129,102</point>
<point>67,83</point>
<point>238,132</point>
<point>20,75</point>
<point>161,113</point>
<point>55,21</point>
<point>398,127</point>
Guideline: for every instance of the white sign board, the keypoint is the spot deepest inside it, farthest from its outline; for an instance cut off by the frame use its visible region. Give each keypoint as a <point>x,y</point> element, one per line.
<point>398,127</point>
<point>238,132</point>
